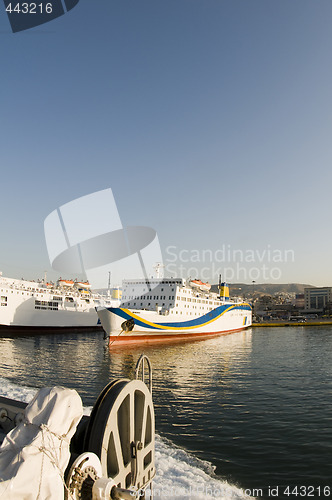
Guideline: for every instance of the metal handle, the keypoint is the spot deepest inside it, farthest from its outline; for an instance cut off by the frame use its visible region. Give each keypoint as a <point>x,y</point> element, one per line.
<point>140,363</point>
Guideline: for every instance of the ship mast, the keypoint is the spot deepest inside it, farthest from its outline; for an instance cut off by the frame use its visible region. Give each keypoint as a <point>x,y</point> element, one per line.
<point>159,270</point>
<point>109,283</point>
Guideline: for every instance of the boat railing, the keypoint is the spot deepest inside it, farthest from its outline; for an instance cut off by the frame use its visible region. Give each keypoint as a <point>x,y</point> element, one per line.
<point>141,365</point>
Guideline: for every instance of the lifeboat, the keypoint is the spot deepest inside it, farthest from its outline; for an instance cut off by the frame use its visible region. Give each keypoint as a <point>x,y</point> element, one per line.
<point>68,283</point>
<point>205,287</point>
<point>83,284</point>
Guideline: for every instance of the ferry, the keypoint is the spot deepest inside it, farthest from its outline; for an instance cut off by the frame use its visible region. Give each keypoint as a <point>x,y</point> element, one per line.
<point>170,309</point>
<point>37,306</point>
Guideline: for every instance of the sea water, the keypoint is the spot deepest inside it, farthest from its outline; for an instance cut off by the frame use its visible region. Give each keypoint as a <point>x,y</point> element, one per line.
<point>238,416</point>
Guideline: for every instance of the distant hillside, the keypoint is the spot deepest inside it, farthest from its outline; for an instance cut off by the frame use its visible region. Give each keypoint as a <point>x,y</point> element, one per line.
<point>264,288</point>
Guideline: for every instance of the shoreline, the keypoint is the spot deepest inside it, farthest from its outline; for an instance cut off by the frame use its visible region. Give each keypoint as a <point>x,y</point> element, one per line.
<point>292,323</point>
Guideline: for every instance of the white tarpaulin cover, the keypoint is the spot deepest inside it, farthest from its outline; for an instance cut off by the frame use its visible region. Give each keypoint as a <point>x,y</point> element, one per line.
<point>34,455</point>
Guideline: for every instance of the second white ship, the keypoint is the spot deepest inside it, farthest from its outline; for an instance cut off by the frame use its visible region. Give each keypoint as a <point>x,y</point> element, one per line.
<point>38,306</point>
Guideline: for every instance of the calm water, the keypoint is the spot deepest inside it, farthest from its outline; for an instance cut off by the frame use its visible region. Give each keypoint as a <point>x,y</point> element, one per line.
<point>256,404</point>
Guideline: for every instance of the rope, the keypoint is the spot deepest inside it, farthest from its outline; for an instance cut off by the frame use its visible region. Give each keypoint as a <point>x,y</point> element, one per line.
<point>126,326</point>
<point>53,457</point>
<point>110,343</point>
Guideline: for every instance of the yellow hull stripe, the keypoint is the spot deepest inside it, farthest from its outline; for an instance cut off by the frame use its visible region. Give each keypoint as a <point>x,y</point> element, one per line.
<point>169,327</point>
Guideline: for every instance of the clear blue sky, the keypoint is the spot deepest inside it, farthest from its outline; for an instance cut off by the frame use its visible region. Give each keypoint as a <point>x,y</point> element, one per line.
<point>211,121</point>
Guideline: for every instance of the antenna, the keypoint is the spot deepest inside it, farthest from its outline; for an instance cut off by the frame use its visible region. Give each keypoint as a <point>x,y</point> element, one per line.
<point>219,285</point>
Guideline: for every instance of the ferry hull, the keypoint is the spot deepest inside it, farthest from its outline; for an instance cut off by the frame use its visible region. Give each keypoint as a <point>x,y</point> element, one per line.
<point>147,337</point>
<point>29,308</point>
<point>20,331</point>
<point>149,326</point>
<point>22,313</point>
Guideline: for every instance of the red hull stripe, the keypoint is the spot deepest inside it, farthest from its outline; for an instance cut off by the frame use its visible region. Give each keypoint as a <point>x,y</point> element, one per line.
<point>135,339</point>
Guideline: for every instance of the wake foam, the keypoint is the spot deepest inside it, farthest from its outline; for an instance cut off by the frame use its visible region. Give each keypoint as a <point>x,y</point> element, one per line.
<point>13,391</point>
<point>182,476</point>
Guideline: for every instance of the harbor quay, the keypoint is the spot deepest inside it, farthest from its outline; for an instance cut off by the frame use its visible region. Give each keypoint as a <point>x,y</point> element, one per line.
<point>283,322</point>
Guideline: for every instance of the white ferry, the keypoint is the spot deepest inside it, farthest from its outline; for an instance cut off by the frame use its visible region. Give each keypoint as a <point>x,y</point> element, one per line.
<point>38,305</point>
<point>166,309</point>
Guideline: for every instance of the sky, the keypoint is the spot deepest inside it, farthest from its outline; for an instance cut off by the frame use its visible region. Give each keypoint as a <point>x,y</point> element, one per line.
<point>210,120</point>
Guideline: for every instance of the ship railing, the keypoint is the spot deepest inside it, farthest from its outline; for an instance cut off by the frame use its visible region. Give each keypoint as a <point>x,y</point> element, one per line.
<point>142,364</point>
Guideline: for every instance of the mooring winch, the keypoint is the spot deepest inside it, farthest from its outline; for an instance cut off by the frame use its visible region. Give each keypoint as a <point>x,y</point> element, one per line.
<point>112,452</point>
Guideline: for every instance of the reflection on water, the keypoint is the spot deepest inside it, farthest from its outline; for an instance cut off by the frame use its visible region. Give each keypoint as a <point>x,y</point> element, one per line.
<point>86,363</point>
<point>255,403</point>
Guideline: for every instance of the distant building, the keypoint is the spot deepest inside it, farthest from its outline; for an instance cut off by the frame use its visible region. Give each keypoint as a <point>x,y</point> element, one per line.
<point>298,302</point>
<point>316,299</point>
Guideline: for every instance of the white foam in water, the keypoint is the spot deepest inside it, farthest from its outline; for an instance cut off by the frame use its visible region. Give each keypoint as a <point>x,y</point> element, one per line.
<point>179,475</point>
<point>184,477</point>
<point>13,391</point>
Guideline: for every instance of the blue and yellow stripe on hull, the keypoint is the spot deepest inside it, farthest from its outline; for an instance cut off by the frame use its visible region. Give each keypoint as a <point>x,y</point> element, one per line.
<point>192,324</point>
